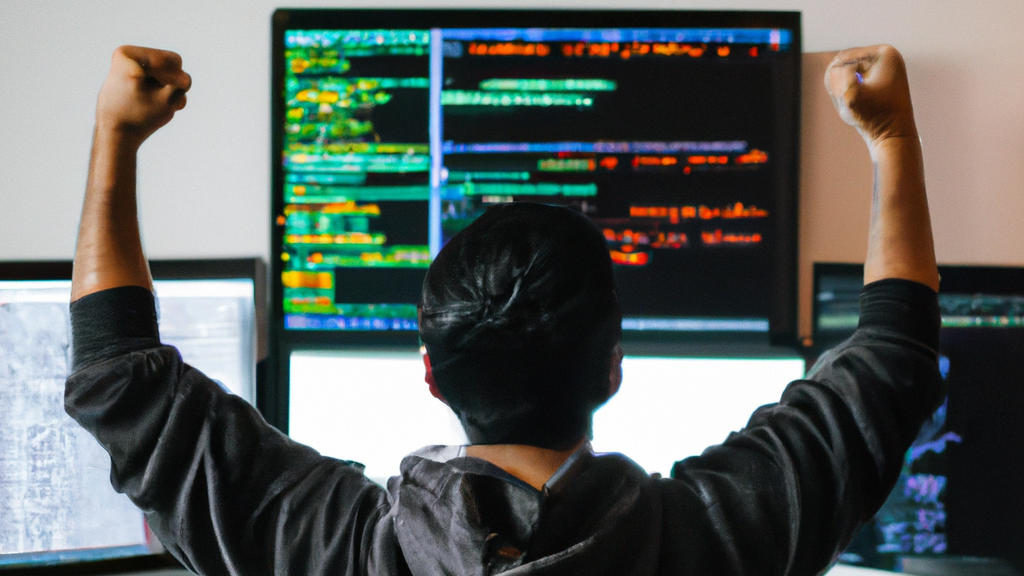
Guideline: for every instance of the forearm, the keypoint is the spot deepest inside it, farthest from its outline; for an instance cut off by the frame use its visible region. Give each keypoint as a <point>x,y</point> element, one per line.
<point>109,251</point>
<point>900,240</point>
<point>871,92</point>
<point>143,90</point>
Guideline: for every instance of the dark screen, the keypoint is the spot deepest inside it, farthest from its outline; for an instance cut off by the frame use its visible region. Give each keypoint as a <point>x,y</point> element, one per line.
<point>958,499</point>
<point>678,142</point>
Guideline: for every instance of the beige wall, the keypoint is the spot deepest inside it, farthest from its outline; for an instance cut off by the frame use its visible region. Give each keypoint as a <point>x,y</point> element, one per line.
<point>204,180</point>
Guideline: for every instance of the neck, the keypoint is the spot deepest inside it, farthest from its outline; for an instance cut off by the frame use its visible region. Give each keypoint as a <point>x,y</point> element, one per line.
<point>528,463</point>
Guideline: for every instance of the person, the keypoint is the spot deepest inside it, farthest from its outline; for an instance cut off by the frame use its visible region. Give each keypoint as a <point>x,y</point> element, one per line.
<point>521,326</point>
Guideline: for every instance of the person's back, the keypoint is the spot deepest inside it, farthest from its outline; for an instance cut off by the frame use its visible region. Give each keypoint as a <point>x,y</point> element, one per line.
<point>521,328</point>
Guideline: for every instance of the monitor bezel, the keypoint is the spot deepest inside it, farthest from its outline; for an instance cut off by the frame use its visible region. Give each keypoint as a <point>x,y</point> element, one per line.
<point>782,316</point>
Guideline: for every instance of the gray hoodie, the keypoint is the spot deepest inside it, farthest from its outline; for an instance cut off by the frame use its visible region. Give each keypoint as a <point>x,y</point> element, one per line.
<point>228,494</point>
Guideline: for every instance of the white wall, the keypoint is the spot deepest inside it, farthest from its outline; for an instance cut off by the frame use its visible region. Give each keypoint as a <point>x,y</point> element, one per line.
<point>204,180</point>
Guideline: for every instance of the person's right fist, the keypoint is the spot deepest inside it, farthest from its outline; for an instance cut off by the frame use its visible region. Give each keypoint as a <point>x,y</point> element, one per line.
<point>870,90</point>
<point>143,90</point>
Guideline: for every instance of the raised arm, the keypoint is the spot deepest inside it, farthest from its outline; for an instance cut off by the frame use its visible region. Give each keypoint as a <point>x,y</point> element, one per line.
<point>143,90</point>
<point>786,494</point>
<point>870,90</point>
<point>223,490</point>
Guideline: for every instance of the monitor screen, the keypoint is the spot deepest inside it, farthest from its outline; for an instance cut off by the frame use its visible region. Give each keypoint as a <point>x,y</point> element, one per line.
<point>374,408</point>
<point>958,499</point>
<point>56,502</point>
<point>212,323</point>
<point>676,132</point>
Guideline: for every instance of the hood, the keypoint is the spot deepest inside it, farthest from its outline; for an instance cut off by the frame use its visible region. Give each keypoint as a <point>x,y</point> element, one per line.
<point>599,514</point>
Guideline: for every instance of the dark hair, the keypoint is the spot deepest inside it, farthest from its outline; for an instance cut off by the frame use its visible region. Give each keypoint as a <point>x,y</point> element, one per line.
<point>519,317</point>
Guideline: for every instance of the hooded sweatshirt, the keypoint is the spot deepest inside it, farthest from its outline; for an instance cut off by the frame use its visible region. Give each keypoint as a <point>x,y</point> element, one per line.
<point>227,493</point>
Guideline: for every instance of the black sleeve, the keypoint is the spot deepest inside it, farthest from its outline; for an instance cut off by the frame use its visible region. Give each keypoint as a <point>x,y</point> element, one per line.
<point>113,322</point>
<point>786,494</point>
<point>223,490</point>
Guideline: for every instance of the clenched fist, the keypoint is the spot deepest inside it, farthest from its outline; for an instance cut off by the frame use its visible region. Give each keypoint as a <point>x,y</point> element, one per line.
<point>870,90</point>
<point>143,90</point>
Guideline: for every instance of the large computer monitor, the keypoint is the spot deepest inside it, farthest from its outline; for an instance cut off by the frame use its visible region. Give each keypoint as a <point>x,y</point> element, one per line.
<point>958,503</point>
<point>374,408</point>
<point>57,508</point>
<point>675,131</point>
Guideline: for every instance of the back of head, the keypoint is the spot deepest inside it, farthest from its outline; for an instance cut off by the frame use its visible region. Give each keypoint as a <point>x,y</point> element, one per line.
<point>519,317</point>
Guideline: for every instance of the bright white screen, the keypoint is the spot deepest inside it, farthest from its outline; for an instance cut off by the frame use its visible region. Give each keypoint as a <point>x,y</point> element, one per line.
<point>374,408</point>
<point>371,407</point>
<point>212,323</point>
<point>670,408</point>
